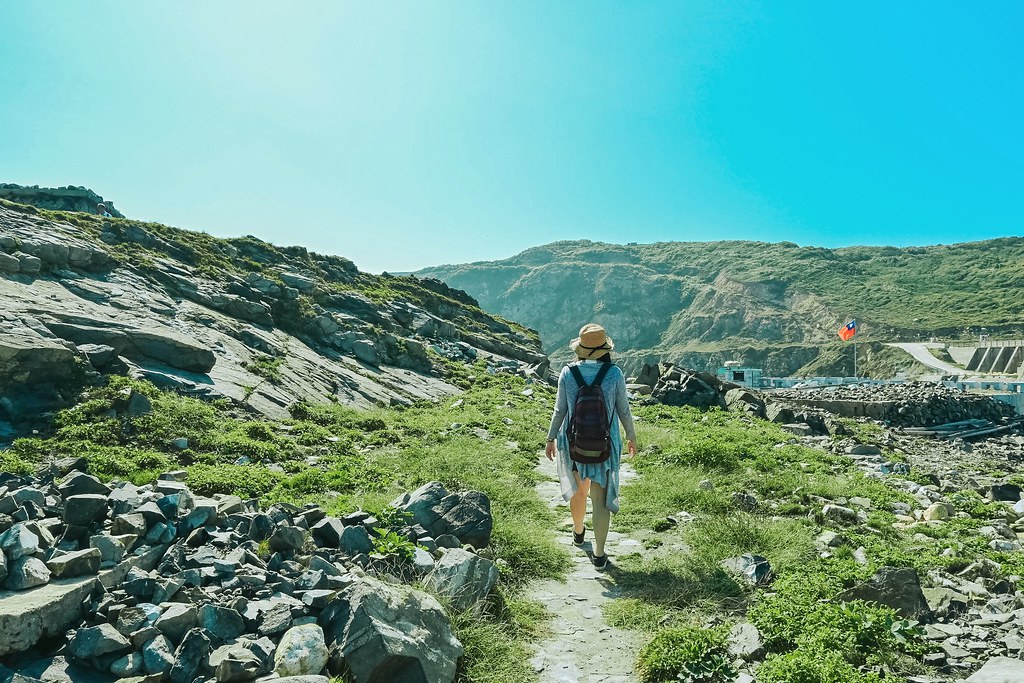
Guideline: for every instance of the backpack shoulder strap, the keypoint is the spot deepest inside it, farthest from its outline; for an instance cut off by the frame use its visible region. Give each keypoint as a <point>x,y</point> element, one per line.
<point>578,376</point>
<point>605,367</point>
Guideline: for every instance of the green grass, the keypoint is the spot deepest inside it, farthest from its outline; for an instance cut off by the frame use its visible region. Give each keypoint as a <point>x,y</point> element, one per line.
<point>811,637</point>
<point>346,460</point>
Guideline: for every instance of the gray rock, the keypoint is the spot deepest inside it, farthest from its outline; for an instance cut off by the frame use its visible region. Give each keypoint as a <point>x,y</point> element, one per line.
<point>29,265</point>
<point>838,513</point>
<point>745,642</point>
<point>895,587</point>
<point>382,631</point>
<point>111,549</point>
<point>83,510</point>
<point>235,662</point>
<point>463,578</point>
<point>80,483</point>
<point>830,539</point>
<point>139,404</point>
<point>158,655</point>
<point>356,540</point>
<point>752,569</point>
<point>302,651</point>
<point>274,618</point>
<point>134,524</point>
<point>999,670</point>
<point>75,563</point>
<point>1007,492</point>
<point>134,618</point>
<point>176,621</point>
<point>9,264</point>
<point>26,572</point>
<point>99,355</point>
<point>127,666</point>
<point>863,449</point>
<point>221,622</point>
<point>97,641</point>
<point>190,657</point>
<point>287,539</point>
<point>18,541</point>
<point>327,532</point>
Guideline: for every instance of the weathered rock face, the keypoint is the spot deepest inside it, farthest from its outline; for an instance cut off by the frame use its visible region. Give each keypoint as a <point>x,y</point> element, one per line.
<point>240,319</point>
<point>386,632</point>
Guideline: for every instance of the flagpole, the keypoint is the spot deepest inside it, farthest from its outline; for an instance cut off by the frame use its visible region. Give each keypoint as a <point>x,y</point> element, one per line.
<point>855,357</point>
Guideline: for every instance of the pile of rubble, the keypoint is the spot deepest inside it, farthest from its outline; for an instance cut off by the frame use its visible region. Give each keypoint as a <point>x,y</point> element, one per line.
<point>156,581</point>
<point>971,611</point>
<point>921,404</point>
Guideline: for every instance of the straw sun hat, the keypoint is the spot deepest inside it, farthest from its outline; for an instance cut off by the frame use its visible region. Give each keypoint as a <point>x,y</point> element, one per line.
<point>592,342</point>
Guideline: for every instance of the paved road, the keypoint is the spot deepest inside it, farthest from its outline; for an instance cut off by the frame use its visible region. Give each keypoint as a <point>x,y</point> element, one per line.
<point>921,353</point>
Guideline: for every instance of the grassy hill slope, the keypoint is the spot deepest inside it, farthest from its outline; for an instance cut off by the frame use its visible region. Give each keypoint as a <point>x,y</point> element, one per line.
<point>740,298</point>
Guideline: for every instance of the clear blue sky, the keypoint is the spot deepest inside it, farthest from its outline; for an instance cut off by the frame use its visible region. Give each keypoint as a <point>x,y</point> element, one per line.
<point>403,135</point>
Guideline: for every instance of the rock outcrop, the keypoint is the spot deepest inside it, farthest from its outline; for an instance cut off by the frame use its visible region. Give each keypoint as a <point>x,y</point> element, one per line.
<point>68,198</point>
<point>82,296</point>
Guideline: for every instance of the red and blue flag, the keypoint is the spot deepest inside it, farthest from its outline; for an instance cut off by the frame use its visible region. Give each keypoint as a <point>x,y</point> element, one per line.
<point>847,331</point>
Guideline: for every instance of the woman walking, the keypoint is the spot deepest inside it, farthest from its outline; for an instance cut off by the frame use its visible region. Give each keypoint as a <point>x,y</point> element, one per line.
<point>583,472</point>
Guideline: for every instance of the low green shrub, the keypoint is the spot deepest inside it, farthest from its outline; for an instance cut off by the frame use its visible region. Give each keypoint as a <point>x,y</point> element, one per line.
<point>687,653</point>
<point>805,666</point>
<point>247,481</point>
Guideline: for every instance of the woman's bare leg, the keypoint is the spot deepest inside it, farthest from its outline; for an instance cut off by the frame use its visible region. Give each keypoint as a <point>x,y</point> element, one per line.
<point>602,518</point>
<point>578,503</point>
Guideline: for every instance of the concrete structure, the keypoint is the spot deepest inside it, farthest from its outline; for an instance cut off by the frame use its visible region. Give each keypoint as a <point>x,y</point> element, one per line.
<point>1000,357</point>
<point>745,377</point>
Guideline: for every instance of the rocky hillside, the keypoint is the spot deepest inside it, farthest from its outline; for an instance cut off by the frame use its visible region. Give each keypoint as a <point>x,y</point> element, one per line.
<point>773,305</point>
<point>262,325</point>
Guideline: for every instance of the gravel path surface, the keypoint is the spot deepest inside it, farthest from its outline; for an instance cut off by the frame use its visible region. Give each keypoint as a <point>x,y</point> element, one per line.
<point>583,648</point>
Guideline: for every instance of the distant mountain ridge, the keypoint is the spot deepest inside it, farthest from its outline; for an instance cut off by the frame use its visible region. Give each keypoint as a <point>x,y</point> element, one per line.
<point>776,304</point>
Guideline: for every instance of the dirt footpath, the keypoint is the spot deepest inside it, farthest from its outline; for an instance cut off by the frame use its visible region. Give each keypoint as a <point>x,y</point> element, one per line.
<point>583,648</point>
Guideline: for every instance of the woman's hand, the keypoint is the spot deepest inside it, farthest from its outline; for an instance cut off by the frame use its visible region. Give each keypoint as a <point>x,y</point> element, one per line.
<point>549,450</point>
<point>630,448</point>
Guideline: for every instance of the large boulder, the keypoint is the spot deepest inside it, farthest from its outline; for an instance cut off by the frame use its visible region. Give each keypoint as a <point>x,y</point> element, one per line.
<point>302,651</point>
<point>26,572</point>
<point>97,641</point>
<point>895,587</point>
<point>386,632</point>
<point>463,578</point>
<point>465,515</point>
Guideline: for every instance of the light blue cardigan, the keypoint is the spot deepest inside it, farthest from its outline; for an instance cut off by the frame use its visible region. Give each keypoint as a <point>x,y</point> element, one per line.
<point>605,474</point>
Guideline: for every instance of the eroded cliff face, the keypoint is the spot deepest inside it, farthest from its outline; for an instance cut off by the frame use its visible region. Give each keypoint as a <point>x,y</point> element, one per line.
<point>241,319</point>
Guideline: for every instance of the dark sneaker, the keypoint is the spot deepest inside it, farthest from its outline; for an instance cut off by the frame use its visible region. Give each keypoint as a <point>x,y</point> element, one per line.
<point>577,538</point>
<point>600,561</point>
